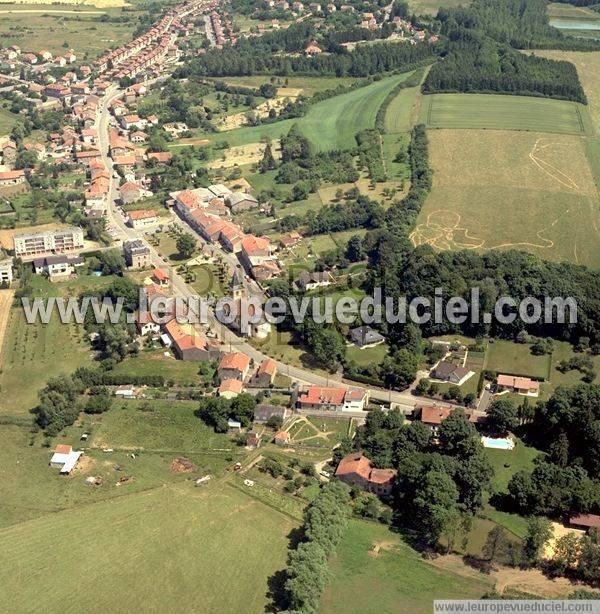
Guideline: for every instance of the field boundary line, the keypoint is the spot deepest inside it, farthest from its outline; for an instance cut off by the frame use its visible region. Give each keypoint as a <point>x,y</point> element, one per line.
<point>232,484</point>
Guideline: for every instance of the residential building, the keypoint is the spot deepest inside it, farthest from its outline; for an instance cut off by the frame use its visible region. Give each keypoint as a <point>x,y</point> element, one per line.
<point>357,470</point>
<point>160,277</point>
<point>449,372</point>
<point>190,342</point>
<point>264,412</point>
<point>6,273</point>
<point>265,374</point>
<point>252,439</point>
<point>584,521</point>
<point>62,240</point>
<point>312,48</point>
<point>333,399</point>
<point>366,337</point>
<point>519,385</point>
<point>137,254</point>
<point>57,266</point>
<point>132,191</point>
<point>230,388</point>
<point>434,415</point>
<point>309,280</point>
<point>11,178</point>
<point>142,218</point>
<point>234,365</point>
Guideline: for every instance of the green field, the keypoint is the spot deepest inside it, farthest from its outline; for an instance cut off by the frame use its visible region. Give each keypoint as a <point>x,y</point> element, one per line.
<point>516,359</point>
<point>503,189</point>
<point>402,110</point>
<point>7,121</point>
<point>508,462</point>
<point>33,353</point>
<point>209,549</point>
<point>431,7</point>
<point>395,579</point>
<point>155,363</point>
<point>497,112</point>
<point>330,124</point>
<point>34,28</point>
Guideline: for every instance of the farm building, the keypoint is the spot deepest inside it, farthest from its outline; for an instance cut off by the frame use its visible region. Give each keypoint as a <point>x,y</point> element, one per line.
<point>282,438</point>
<point>64,458</point>
<point>584,521</point>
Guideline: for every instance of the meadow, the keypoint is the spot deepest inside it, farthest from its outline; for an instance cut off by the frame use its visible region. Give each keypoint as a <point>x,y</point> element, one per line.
<point>34,28</point>
<point>217,549</point>
<point>403,110</point>
<point>7,121</point>
<point>509,190</point>
<point>497,112</point>
<point>330,124</point>
<point>375,571</point>
<point>516,359</point>
<point>431,7</point>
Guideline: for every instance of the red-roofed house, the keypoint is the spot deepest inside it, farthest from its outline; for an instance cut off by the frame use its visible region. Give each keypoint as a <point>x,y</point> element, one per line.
<point>160,277</point>
<point>265,374</point>
<point>11,178</point>
<point>230,388</point>
<point>234,365</point>
<point>520,385</point>
<point>333,399</point>
<point>142,218</point>
<point>357,470</point>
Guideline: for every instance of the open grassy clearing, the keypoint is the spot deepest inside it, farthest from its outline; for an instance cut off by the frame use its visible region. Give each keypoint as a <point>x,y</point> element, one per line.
<point>7,121</point>
<point>51,28</point>
<point>516,359</point>
<point>67,557</point>
<point>431,7</point>
<point>367,356</point>
<point>33,353</point>
<point>508,462</point>
<point>497,112</point>
<point>403,111</point>
<point>308,85</point>
<point>507,190</point>
<point>564,351</point>
<point>330,124</point>
<point>376,571</point>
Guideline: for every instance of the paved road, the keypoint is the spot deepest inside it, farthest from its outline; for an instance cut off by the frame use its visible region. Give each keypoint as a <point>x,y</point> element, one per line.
<point>405,401</point>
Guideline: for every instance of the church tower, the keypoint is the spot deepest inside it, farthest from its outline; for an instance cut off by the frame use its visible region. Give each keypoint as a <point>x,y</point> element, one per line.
<point>237,284</point>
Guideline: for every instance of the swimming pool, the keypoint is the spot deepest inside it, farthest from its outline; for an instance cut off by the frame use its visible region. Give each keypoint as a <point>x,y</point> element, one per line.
<point>498,444</point>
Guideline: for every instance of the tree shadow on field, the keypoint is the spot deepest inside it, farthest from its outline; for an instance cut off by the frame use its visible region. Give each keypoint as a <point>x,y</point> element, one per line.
<point>278,601</point>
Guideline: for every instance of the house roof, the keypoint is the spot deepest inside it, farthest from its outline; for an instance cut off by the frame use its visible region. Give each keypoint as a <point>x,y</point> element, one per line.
<point>357,463</point>
<point>445,369</point>
<point>186,336</point>
<point>252,244</point>
<point>435,414</point>
<point>12,175</point>
<point>520,383</point>
<point>268,366</point>
<point>264,411</point>
<point>282,436</point>
<point>235,361</point>
<point>585,520</point>
<point>160,275</point>
<point>160,156</point>
<point>62,448</point>
<point>317,395</point>
<point>231,385</point>
<point>142,214</point>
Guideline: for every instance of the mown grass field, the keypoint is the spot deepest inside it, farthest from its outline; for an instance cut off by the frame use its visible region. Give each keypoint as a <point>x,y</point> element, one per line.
<point>394,579</point>
<point>7,121</point>
<point>497,112</point>
<point>308,85</point>
<point>403,110</point>
<point>216,550</point>
<point>516,359</point>
<point>509,190</point>
<point>330,124</point>
<point>34,27</point>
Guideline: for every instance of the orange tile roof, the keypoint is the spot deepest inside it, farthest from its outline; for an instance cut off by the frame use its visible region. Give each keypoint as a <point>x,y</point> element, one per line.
<point>231,385</point>
<point>235,361</point>
<point>357,463</point>
<point>12,174</point>
<point>520,383</point>
<point>317,395</point>
<point>160,275</point>
<point>435,414</point>
<point>252,244</point>
<point>62,448</point>
<point>142,214</point>
<point>268,366</point>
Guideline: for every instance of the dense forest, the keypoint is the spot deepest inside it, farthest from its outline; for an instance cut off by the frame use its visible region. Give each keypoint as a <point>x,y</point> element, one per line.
<point>481,51</point>
<point>266,55</point>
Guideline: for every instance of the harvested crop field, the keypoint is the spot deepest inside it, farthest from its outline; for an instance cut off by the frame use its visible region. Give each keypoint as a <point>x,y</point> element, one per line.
<point>501,190</point>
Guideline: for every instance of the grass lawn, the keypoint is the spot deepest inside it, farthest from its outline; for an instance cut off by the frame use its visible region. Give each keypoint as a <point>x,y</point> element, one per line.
<point>507,462</point>
<point>329,124</point>
<point>69,557</point>
<point>207,281</point>
<point>403,110</point>
<point>308,85</point>
<point>7,121</point>
<point>511,190</point>
<point>367,356</point>
<point>498,112</point>
<point>395,579</point>
<point>516,359</point>
<point>156,363</point>
<point>169,426</point>
<point>431,7</point>
<point>33,353</point>
<point>564,351</point>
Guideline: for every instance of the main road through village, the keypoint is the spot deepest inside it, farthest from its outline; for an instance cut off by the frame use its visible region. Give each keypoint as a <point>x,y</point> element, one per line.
<point>404,400</point>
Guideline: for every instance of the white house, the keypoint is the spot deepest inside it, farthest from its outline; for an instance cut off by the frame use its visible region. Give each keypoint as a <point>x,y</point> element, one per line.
<point>64,458</point>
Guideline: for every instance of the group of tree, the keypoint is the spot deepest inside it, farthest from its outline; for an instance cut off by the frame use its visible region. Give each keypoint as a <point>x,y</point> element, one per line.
<point>216,411</point>
<point>307,573</point>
